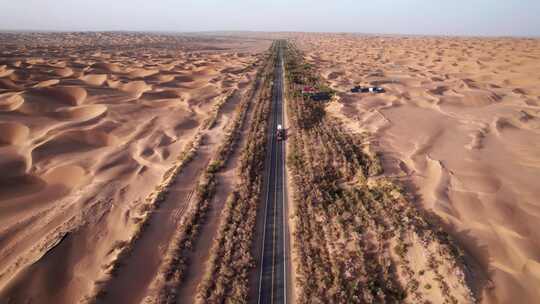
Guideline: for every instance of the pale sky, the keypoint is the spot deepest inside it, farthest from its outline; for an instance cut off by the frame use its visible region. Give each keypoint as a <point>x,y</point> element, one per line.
<point>440,17</point>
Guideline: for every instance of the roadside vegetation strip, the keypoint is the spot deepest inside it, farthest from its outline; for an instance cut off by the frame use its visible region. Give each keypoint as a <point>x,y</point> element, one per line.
<point>173,268</point>
<point>226,278</point>
<point>210,122</point>
<point>356,236</point>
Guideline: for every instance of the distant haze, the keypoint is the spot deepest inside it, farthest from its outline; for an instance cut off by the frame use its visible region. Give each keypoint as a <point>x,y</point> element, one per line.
<point>458,17</point>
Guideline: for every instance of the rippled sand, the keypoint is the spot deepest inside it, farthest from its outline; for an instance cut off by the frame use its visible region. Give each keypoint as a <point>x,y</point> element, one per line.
<point>459,124</point>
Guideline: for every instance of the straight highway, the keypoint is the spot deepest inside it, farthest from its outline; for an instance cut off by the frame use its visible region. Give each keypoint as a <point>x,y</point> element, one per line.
<point>274,265</point>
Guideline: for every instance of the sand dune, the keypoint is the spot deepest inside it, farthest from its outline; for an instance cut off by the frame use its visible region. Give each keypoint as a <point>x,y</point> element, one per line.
<point>8,84</point>
<point>14,163</point>
<point>161,78</point>
<point>184,78</point>
<point>67,176</point>
<point>63,72</point>
<point>134,88</point>
<point>13,133</point>
<point>10,101</point>
<point>4,72</point>
<point>94,79</point>
<point>458,126</point>
<point>47,83</point>
<point>81,113</point>
<point>70,95</point>
<point>107,67</point>
<point>164,94</point>
<point>89,125</point>
<point>141,73</point>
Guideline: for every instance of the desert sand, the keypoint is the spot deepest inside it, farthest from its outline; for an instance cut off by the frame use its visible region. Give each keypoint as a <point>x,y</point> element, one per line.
<point>89,124</point>
<point>93,124</point>
<point>459,126</point>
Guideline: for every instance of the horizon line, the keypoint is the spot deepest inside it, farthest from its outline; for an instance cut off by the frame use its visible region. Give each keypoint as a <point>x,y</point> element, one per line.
<point>44,31</point>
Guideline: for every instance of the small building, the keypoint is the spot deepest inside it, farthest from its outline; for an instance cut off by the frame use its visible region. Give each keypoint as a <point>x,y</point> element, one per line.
<point>308,90</point>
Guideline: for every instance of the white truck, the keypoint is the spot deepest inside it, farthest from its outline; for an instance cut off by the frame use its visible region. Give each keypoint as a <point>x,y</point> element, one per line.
<point>280,133</point>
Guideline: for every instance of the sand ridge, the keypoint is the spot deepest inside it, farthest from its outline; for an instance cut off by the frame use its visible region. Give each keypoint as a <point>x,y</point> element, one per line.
<point>459,126</point>
<point>10,102</point>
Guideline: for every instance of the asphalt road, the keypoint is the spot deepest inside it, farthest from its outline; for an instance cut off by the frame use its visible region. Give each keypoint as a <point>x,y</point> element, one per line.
<point>274,267</point>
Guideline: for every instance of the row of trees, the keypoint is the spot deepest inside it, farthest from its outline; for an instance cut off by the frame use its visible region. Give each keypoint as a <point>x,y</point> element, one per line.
<point>176,261</point>
<point>210,122</point>
<point>226,279</point>
<point>352,231</point>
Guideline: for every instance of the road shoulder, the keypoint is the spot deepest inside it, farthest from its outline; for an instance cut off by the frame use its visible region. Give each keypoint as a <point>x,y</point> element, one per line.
<point>289,211</point>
